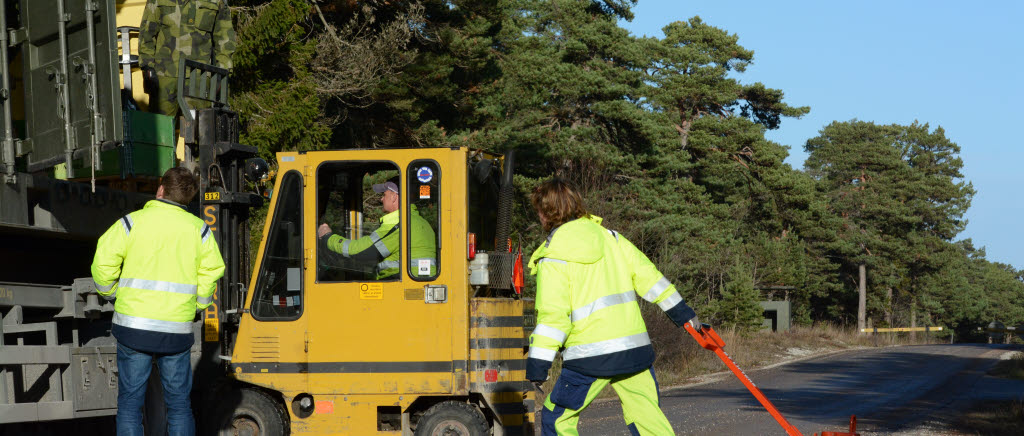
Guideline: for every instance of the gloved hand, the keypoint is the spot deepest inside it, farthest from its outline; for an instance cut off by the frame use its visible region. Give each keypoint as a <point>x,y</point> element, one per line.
<point>150,83</point>
<point>538,399</point>
<point>695,323</point>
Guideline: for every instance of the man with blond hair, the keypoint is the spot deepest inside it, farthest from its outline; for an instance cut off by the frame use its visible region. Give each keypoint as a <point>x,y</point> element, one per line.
<point>588,278</point>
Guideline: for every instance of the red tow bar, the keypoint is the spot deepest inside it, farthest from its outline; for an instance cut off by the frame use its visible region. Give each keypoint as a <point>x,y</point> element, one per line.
<point>710,340</point>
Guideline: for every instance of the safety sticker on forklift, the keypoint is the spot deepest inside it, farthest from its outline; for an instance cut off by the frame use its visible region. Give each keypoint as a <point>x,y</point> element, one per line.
<point>324,407</point>
<point>424,192</point>
<point>211,320</point>
<point>424,174</point>
<point>211,333</point>
<point>371,291</point>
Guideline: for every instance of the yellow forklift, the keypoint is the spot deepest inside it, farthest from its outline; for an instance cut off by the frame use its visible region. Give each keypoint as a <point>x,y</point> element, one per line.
<point>325,345</point>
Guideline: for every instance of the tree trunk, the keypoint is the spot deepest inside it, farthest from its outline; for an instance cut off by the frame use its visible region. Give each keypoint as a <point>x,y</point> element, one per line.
<point>888,307</point>
<point>913,322</point>
<point>863,299</point>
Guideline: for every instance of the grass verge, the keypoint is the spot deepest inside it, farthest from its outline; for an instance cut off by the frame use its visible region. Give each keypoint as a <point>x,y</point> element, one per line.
<point>680,360</point>
<point>997,417</point>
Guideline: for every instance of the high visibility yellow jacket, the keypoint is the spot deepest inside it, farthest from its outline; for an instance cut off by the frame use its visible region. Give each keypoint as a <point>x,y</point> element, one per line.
<point>385,242</point>
<point>588,278</point>
<point>161,264</point>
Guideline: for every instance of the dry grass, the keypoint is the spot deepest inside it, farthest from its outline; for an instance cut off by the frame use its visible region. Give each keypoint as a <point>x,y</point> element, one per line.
<point>1012,368</point>
<point>993,418</point>
<point>681,360</point>
<point>997,417</point>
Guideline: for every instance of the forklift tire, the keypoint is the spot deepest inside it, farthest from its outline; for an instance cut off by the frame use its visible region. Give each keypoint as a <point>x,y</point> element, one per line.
<point>452,418</point>
<point>248,412</point>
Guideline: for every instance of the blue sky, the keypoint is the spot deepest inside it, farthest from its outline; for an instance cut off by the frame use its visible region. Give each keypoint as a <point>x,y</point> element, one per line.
<point>957,65</point>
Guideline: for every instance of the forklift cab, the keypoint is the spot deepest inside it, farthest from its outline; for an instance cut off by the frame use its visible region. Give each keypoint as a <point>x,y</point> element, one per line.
<point>381,322</point>
<point>363,241</point>
<point>359,237</point>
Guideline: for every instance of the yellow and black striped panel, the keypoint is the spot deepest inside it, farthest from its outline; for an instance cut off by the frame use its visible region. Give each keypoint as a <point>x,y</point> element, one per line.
<point>497,365</point>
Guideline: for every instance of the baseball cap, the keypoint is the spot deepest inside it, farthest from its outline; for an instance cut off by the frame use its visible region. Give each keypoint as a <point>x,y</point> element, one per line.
<point>386,186</point>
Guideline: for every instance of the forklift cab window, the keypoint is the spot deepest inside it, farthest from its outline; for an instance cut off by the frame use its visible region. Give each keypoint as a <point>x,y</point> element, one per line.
<point>424,179</point>
<point>358,231</point>
<point>278,294</point>
<point>482,210</point>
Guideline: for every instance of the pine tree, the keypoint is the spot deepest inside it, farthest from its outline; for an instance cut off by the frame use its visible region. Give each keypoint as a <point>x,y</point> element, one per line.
<point>660,133</point>
<point>899,192</point>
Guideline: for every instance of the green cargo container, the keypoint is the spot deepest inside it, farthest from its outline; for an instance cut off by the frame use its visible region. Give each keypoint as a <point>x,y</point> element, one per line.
<point>147,150</point>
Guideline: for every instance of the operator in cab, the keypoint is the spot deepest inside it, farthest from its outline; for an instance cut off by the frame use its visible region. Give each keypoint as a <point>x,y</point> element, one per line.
<point>382,246</point>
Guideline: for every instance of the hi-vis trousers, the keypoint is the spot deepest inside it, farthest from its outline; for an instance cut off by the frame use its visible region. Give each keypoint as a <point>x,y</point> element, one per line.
<point>573,392</point>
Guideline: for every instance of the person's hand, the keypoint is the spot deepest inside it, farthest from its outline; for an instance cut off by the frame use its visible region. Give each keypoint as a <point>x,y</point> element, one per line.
<point>539,398</point>
<point>695,323</point>
<point>323,230</point>
<point>150,82</point>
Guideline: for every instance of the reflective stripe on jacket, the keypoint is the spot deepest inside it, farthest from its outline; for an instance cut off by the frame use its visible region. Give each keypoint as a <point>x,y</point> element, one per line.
<point>588,282</point>
<point>162,264</point>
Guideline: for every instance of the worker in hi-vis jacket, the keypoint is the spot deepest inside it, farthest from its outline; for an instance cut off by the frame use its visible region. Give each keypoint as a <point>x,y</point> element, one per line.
<point>588,279</point>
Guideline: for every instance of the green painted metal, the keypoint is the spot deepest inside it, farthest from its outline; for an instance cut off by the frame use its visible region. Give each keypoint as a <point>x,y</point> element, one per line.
<point>150,128</point>
<point>777,316</point>
<point>151,148</point>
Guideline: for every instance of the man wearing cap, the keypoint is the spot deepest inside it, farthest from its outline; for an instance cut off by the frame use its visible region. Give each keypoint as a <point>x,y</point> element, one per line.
<point>382,245</point>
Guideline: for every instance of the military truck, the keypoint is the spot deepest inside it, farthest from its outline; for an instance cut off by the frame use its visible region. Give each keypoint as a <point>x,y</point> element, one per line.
<point>307,341</point>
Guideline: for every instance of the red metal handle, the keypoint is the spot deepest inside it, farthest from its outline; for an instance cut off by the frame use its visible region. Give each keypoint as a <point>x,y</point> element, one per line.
<point>706,336</point>
<point>710,340</point>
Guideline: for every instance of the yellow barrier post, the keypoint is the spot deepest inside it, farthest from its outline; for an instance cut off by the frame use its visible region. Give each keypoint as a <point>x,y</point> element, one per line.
<point>876,330</point>
<point>902,329</point>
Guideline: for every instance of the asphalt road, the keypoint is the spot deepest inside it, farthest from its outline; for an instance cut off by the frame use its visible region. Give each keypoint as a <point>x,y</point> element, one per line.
<point>896,390</point>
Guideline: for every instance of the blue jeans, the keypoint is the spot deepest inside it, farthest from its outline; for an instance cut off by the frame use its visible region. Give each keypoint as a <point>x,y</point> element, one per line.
<point>176,378</point>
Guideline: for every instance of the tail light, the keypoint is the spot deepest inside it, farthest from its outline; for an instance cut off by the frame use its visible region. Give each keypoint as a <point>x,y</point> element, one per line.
<point>471,246</point>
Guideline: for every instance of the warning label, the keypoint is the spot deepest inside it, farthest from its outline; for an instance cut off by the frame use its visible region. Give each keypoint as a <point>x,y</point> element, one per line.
<point>211,333</point>
<point>371,291</point>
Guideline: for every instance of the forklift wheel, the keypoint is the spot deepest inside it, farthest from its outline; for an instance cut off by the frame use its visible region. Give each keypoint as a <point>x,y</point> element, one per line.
<point>248,412</point>
<point>452,418</point>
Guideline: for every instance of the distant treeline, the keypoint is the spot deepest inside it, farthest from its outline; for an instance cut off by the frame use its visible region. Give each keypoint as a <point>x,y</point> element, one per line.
<point>665,141</point>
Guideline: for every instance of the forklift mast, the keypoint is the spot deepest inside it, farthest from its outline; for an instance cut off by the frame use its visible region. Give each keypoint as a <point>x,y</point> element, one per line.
<point>210,132</point>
